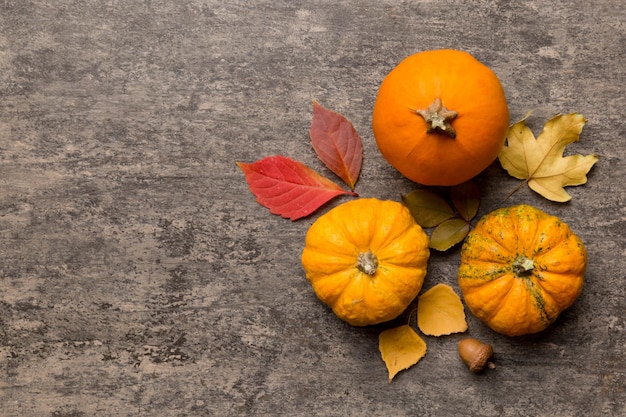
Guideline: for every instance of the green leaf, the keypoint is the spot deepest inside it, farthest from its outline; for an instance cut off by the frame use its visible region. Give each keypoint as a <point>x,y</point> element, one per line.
<point>448,234</point>
<point>466,199</point>
<point>427,208</point>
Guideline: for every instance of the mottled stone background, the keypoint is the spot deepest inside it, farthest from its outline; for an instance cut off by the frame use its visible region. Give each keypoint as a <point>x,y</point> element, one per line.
<point>139,277</point>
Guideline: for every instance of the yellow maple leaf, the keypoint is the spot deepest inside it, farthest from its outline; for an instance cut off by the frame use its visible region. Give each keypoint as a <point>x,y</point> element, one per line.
<point>540,162</point>
<point>400,348</point>
<point>440,311</point>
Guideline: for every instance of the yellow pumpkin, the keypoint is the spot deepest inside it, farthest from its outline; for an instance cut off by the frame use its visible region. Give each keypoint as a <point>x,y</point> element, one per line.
<point>366,259</point>
<point>520,268</point>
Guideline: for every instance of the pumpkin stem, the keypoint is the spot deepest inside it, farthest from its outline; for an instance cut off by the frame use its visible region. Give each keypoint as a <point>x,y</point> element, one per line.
<point>523,265</point>
<point>367,263</point>
<point>438,118</point>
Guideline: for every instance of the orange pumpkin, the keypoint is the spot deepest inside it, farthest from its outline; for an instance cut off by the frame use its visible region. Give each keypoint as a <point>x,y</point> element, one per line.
<point>520,268</point>
<point>440,117</point>
<point>366,259</point>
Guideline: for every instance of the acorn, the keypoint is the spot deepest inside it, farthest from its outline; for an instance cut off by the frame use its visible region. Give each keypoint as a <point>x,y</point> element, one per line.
<point>475,354</point>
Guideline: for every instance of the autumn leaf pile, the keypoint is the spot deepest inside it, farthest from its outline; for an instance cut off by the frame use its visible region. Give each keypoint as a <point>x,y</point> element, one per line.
<point>451,222</point>
<point>293,190</point>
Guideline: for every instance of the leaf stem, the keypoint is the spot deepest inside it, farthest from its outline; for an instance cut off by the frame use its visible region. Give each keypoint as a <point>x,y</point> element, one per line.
<point>414,311</point>
<point>521,184</point>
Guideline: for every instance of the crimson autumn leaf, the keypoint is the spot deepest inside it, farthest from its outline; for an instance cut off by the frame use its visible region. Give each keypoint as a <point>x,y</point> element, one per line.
<point>287,187</point>
<point>336,143</point>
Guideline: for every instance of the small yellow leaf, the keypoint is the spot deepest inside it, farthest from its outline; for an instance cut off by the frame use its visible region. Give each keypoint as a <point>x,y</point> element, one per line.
<point>541,162</point>
<point>440,311</point>
<point>400,348</point>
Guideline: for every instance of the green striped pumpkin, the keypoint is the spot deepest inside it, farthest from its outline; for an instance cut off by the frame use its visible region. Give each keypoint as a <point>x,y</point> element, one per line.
<point>520,268</point>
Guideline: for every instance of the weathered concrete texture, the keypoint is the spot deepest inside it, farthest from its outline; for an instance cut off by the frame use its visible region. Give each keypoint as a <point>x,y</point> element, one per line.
<point>139,277</point>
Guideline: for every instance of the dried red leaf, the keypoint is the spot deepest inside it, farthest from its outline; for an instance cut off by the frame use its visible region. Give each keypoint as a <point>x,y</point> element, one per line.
<point>336,143</point>
<point>287,187</point>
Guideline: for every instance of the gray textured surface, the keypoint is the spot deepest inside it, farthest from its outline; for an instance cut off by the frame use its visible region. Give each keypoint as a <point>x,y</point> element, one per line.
<point>138,276</point>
